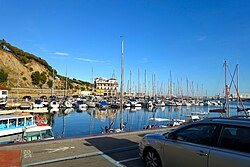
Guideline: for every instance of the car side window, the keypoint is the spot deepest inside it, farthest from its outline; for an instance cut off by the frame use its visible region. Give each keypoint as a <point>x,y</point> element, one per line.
<point>198,134</point>
<point>235,138</point>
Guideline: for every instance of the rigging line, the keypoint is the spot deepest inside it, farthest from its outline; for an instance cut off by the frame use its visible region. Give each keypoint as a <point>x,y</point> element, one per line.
<point>233,76</point>
<point>219,81</point>
<point>242,105</point>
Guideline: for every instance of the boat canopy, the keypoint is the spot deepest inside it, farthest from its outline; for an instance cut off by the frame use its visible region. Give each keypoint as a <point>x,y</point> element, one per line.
<point>38,101</point>
<point>218,110</point>
<point>104,103</point>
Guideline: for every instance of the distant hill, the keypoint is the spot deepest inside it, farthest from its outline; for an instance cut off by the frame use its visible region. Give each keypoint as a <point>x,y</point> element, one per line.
<point>26,70</point>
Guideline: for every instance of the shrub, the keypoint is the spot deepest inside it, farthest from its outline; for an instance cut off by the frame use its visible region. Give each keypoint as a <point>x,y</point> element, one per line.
<point>3,76</point>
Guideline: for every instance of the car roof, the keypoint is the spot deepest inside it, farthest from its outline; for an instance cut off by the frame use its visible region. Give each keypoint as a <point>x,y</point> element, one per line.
<point>245,121</point>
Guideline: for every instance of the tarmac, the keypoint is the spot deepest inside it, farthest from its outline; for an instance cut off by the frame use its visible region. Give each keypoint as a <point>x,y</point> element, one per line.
<point>116,149</point>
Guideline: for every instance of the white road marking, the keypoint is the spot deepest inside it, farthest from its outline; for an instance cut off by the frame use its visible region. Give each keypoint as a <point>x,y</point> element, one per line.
<point>27,154</point>
<point>130,159</point>
<point>111,160</point>
<point>103,154</point>
<point>50,150</point>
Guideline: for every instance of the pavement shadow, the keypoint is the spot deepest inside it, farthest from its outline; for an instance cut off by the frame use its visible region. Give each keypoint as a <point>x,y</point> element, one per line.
<point>118,150</point>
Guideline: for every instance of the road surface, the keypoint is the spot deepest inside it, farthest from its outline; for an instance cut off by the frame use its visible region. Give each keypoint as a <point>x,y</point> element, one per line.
<point>103,150</point>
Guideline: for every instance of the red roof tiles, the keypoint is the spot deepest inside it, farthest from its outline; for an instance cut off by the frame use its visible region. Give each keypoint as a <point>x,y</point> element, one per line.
<point>3,88</point>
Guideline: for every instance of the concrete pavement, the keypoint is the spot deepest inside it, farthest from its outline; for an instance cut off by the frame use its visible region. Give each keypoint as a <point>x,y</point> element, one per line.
<point>119,149</point>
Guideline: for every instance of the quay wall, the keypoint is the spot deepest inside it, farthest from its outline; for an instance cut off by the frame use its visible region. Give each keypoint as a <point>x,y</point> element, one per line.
<point>35,93</point>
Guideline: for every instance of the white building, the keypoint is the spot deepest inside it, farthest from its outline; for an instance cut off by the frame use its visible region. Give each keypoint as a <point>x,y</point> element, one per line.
<point>85,93</point>
<point>243,96</point>
<point>3,92</point>
<point>106,87</point>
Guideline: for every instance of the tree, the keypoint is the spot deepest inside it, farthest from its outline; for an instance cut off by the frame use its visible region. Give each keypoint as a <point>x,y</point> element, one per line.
<point>43,78</point>
<point>1,44</point>
<point>3,76</point>
<point>35,76</point>
<point>50,83</point>
<point>39,79</point>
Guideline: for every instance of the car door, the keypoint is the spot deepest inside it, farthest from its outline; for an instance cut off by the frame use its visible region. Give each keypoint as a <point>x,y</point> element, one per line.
<point>233,148</point>
<point>189,146</point>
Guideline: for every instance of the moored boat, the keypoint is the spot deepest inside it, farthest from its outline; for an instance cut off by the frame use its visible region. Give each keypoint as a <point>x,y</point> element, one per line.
<point>16,128</point>
<point>54,104</point>
<point>12,126</point>
<point>38,104</point>
<point>25,105</point>
<point>81,105</point>
<point>12,105</point>
<point>2,103</point>
<point>35,133</point>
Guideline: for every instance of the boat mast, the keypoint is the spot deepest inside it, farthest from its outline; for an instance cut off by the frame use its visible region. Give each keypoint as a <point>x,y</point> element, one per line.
<point>171,89</point>
<point>52,90</point>
<point>236,88</point>
<point>139,86</point>
<point>227,90</point>
<point>121,89</point>
<point>153,85</point>
<point>92,80</point>
<point>66,84</point>
<point>145,86</point>
<point>92,76</point>
<point>154,88</point>
<point>130,84</point>
<point>237,80</point>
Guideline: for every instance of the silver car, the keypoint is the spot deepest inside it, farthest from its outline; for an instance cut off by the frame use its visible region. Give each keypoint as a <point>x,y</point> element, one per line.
<point>213,142</point>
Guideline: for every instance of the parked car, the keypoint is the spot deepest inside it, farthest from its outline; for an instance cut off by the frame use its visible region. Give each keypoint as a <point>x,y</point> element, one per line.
<point>212,142</point>
<point>53,97</point>
<point>27,97</point>
<point>43,97</point>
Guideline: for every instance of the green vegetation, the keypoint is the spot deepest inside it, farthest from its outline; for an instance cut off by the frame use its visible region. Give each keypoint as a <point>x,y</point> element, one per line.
<point>43,78</point>
<point>3,76</point>
<point>22,56</point>
<point>35,76</point>
<point>31,69</point>
<point>50,83</point>
<point>38,78</point>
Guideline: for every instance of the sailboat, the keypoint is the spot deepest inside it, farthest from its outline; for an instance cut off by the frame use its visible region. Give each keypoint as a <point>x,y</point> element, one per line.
<point>110,128</point>
<point>225,109</point>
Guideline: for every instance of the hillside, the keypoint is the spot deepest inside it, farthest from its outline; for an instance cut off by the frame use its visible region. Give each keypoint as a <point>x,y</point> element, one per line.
<point>25,70</point>
<point>19,75</point>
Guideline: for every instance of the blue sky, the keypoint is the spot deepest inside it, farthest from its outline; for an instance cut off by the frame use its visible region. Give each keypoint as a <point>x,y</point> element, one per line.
<point>190,38</point>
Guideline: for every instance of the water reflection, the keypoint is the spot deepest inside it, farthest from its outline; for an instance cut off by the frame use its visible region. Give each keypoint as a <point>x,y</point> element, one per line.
<point>71,123</point>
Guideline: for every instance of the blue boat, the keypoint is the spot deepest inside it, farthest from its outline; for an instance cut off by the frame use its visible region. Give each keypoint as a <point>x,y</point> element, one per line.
<point>103,105</point>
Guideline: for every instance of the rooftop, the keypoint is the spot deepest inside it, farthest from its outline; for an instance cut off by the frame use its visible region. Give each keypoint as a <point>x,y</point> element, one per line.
<point>3,88</point>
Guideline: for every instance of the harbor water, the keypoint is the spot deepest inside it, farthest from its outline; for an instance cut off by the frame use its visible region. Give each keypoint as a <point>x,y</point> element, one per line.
<point>72,123</point>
